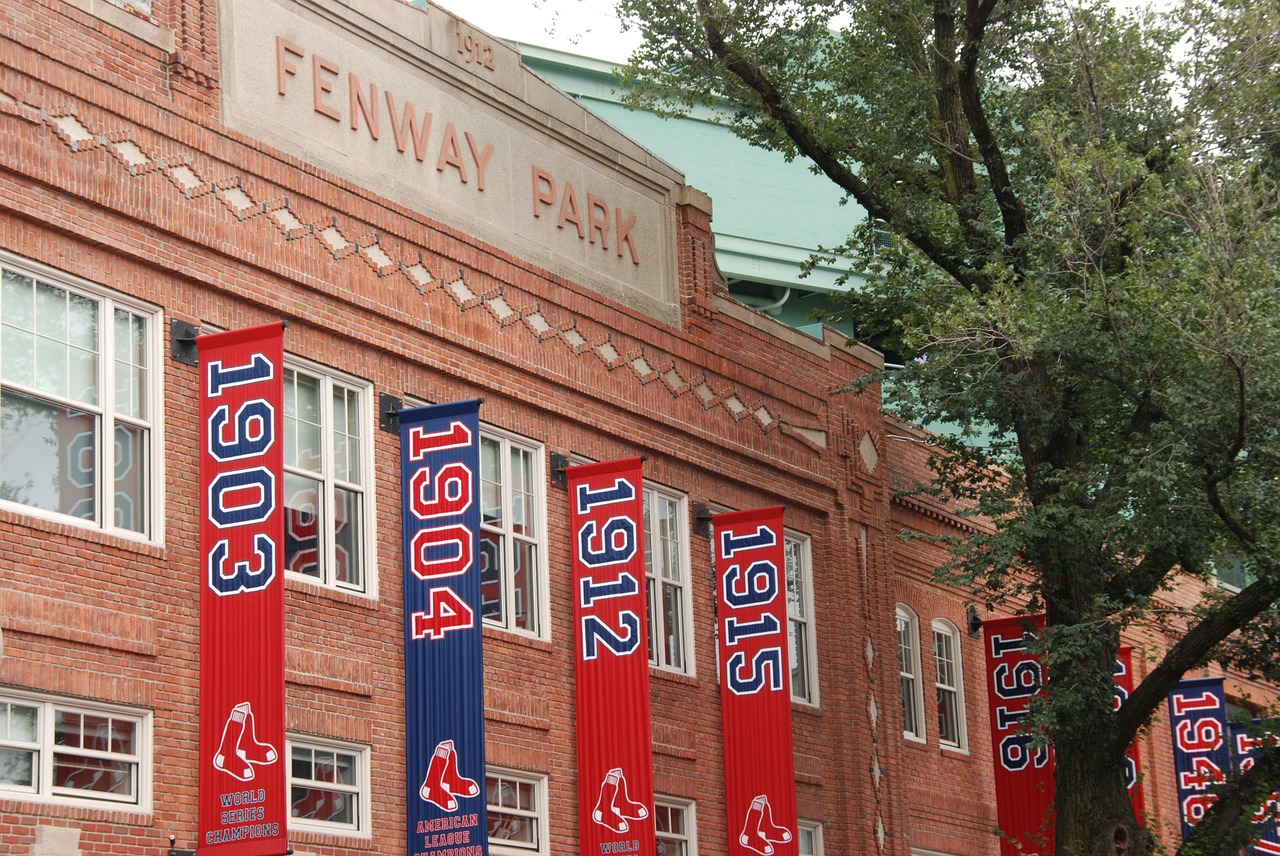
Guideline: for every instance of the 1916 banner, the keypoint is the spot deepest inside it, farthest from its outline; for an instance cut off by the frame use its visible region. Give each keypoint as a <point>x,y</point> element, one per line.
<point>615,742</point>
<point>444,682</point>
<point>243,804</point>
<point>755,683</point>
<point>1023,764</point>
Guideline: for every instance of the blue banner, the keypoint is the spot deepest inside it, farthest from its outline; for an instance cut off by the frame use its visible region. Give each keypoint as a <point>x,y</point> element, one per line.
<point>1244,741</point>
<point>444,680</point>
<point>1201,754</point>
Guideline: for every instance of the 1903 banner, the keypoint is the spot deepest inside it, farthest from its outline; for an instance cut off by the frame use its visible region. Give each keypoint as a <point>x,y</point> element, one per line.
<point>243,803</point>
<point>444,680</point>
<point>755,683</point>
<point>615,742</point>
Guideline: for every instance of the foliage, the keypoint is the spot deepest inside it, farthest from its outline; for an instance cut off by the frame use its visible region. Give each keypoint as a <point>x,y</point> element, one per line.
<point>1087,210</point>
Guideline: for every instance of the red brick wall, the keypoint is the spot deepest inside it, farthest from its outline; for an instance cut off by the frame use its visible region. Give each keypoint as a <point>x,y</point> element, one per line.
<point>92,615</point>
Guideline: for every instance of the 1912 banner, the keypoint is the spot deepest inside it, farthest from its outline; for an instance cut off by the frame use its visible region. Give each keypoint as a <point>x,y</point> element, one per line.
<point>243,804</point>
<point>615,741</point>
<point>755,683</point>
<point>444,681</point>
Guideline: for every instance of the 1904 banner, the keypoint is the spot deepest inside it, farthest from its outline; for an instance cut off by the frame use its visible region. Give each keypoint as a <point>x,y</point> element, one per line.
<point>243,805</point>
<point>444,681</point>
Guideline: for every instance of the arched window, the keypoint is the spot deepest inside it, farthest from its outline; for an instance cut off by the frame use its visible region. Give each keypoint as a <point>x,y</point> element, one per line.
<point>909,673</point>
<point>949,681</point>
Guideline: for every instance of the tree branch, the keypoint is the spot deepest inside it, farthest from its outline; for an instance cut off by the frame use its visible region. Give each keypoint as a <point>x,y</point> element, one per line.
<point>776,106</point>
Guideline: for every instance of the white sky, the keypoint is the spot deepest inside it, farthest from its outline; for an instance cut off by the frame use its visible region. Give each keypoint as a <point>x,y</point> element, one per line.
<point>588,27</point>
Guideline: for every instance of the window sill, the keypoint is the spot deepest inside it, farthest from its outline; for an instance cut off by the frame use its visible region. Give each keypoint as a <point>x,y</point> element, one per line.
<point>133,23</point>
<point>86,810</point>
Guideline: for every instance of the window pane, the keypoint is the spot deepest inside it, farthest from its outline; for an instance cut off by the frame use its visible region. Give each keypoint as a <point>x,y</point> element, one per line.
<point>673,611</point>
<point>98,775</point>
<point>18,355</point>
<point>18,300</point>
<point>301,525</point>
<point>18,722</point>
<point>132,468</point>
<point>18,768</point>
<point>130,364</point>
<point>51,367</point>
<point>48,455</point>
<point>346,434</point>
<point>491,481</point>
<point>491,575</point>
<point>799,636</point>
<point>522,590</point>
<point>302,447</point>
<point>347,537</point>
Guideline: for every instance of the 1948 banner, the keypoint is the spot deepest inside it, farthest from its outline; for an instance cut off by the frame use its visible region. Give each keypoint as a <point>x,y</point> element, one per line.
<point>444,682</point>
<point>243,804</point>
<point>615,742</point>
<point>755,683</point>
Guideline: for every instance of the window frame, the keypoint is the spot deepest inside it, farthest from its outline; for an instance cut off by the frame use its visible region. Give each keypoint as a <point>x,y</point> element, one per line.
<point>361,827</point>
<point>907,620</point>
<point>811,826</point>
<point>107,302</point>
<point>328,481</point>
<point>539,614</point>
<point>690,836</point>
<point>944,629</point>
<point>540,813</point>
<point>804,545</point>
<point>46,747</point>
<point>655,585</point>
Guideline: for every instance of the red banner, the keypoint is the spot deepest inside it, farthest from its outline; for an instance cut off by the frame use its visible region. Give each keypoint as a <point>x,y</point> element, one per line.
<point>615,740</point>
<point>755,683</point>
<point>243,803</point>
<point>1023,767</point>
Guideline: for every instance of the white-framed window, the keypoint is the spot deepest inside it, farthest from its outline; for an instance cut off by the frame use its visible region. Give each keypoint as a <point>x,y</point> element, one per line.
<point>328,786</point>
<point>909,673</point>
<point>949,681</point>
<point>666,566</point>
<point>67,750</point>
<point>517,806</point>
<point>676,826</point>
<point>328,477</point>
<point>79,402</point>
<point>512,544</point>
<point>802,635</point>
<point>809,838</point>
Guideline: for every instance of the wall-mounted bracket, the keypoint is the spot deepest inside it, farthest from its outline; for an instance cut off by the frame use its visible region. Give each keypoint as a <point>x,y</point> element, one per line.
<point>182,342</point>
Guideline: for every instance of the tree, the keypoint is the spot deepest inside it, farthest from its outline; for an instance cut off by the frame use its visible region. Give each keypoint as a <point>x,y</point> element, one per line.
<point>1088,272</point>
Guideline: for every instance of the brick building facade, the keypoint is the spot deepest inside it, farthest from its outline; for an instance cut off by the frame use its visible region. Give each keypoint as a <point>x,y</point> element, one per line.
<point>435,223</point>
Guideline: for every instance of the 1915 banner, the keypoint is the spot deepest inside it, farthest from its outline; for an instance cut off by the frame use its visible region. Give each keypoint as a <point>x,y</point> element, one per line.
<point>755,683</point>
<point>615,741</point>
<point>243,804</point>
<point>444,682</point>
<point>1024,765</point>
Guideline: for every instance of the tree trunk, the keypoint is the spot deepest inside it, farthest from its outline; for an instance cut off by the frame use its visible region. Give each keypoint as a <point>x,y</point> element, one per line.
<point>1094,814</point>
